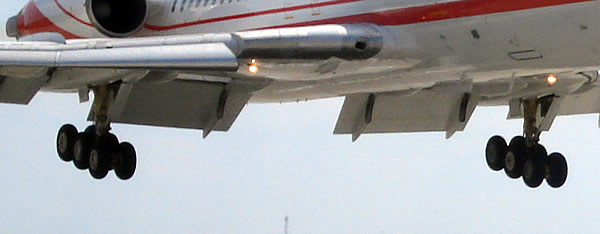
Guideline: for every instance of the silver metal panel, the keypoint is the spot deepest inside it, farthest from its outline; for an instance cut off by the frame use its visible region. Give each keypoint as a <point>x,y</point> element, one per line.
<point>316,42</point>
<point>44,37</point>
<point>212,50</point>
<point>209,57</point>
<point>28,58</point>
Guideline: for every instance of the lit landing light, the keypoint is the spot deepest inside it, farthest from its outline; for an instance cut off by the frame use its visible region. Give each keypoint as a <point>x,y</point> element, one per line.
<point>253,67</point>
<point>551,80</point>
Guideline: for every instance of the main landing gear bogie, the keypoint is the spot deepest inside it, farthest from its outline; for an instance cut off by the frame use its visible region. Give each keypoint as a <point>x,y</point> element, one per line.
<point>524,156</point>
<point>529,161</point>
<point>98,154</point>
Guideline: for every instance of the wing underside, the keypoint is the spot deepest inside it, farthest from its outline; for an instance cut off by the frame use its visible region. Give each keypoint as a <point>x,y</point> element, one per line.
<point>448,107</point>
<point>27,66</point>
<point>182,104</point>
<point>142,97</point>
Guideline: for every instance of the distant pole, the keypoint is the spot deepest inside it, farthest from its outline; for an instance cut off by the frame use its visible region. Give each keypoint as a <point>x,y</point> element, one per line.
<point>286,225</point>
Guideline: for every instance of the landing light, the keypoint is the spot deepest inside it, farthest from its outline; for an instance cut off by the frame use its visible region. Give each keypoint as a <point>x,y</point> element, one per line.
<point>253,67</point>
<point>551,80</point>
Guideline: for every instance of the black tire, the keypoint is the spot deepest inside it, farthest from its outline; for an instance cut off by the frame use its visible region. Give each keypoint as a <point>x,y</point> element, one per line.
<point>534,169</point>
<point>111,140</point>
<point>126,161</point>
<point>515,157</point>
<point>65,141</point>
<point>556,170</point>
<point>82,148</point>
<point>101,156</point>
<point>99,163</point>
<point>112,145</point>
<point>495,153</point>
<point>90,130</point>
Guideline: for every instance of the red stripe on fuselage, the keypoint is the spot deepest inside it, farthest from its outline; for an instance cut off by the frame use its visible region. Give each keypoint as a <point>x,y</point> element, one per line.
<point>419,14</point>
<point>440,11</point>
<point>410,15</point>
<point>247,15</point>
<point>71,14</point>
<point>33,21</point>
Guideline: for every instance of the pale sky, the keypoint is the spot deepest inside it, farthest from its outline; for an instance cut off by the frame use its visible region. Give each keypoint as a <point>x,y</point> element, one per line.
<point>280,160</point>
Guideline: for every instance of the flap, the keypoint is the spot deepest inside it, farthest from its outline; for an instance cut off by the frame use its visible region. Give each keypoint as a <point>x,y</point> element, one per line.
<point>585,101</point>
<point>19,90</point>
<point>181,104</point>
<point>437,109</point>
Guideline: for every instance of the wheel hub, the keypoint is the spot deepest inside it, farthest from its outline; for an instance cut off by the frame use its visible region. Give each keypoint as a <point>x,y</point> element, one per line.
<point>62,142</point>
<point>94,160</point>
<point>77,151</point>
<point>528,171</point>
<point>510,160</point>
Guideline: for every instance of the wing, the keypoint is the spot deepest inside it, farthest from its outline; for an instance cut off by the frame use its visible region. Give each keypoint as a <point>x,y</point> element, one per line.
<point>148,93</point>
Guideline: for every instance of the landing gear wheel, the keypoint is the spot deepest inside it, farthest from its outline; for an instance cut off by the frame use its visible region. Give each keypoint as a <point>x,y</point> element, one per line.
<point>99,163</point>
<point>125,161</point>
<point>534,169</point>
<point>81,150</point>
<point>90,130</point>
<point>65,141</point>
<point>110,141</point>
<point>556,170</point>
<point>101,156</point>
<point>515,157</point>
<point>495,153</point>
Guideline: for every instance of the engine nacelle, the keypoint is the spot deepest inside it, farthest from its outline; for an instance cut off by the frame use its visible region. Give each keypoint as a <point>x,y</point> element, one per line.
<point>120,18</point>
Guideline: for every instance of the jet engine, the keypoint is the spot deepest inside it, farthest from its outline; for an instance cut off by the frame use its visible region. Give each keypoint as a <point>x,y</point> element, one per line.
<point>121,18</point>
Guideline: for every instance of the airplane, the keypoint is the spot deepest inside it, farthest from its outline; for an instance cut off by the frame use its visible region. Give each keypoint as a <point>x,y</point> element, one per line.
<point>401,65</point>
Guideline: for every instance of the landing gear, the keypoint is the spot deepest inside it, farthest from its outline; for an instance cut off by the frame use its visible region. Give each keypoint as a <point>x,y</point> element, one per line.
<point>100,154</point>
<point>524,156</point>
<point>96,149</point>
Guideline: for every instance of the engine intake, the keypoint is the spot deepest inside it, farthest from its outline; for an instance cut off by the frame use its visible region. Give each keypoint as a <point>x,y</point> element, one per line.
<point>117,18</point>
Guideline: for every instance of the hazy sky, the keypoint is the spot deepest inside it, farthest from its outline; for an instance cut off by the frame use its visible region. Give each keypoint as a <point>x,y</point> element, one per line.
<point>282,160</point>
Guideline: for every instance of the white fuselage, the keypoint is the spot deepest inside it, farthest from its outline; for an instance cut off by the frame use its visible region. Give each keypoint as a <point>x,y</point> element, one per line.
<point>426,41</point>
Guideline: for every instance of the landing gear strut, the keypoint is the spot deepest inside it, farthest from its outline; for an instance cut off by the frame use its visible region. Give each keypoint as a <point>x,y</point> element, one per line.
<point>524,156</point>
<point>96,149</point>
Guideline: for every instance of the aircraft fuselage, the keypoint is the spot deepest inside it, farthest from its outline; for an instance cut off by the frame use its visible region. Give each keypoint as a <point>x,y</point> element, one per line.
<point>426,41</point>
